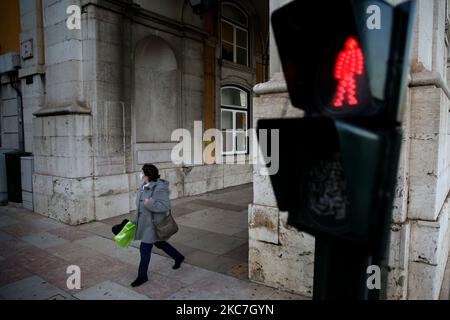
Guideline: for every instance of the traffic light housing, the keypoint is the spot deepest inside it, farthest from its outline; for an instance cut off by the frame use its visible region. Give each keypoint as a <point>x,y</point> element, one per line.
<point>337,65</point>
<point>346,64</point>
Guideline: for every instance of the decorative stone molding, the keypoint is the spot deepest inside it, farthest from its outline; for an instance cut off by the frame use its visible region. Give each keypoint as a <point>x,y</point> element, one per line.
<point>78,107</point>
<point>427,78</point>
<point>276,84</point>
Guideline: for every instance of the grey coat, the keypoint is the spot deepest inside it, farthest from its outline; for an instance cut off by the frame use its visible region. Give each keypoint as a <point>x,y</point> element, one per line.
<point>157,207</point>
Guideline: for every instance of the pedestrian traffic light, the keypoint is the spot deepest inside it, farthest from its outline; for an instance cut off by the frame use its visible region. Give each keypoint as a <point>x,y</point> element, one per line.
<point>348,141</point>
<point>345,63</point>
<point>340,57</point>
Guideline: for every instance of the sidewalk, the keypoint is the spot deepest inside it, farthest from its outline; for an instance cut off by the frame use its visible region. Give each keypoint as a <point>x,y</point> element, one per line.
<point>35,252</point>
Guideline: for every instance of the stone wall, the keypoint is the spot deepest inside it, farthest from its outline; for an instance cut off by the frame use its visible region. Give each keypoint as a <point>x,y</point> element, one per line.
<point>94,91</point>
<point>63,181</point>
<point>428,164</point>
<point>279,255</point>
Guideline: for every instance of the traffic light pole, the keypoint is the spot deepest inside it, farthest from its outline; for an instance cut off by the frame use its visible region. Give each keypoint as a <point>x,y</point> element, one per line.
<point>340,270</point>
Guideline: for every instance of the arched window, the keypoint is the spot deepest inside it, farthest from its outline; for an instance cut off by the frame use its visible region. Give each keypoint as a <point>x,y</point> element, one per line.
<point>234,34</point>
<point>234,120</point>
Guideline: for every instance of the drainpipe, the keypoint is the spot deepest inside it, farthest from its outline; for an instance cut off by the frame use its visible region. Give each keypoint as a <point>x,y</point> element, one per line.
<point>21,130</point>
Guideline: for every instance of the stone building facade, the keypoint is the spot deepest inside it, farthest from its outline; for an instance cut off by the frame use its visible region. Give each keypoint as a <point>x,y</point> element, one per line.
<point>104,90</point>
<point>282,257</point>
<point>101,100</point>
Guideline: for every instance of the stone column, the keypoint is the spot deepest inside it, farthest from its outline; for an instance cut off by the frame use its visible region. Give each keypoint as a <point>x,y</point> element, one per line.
<point>32,73</point>
<point>83,132</point>
<point>279,255</point>
<point>429,156</point>
<point>63,178</point>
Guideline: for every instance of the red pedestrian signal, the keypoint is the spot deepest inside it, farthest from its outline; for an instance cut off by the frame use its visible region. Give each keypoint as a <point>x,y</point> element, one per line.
<point>344,70</point>
<point>349,65</point>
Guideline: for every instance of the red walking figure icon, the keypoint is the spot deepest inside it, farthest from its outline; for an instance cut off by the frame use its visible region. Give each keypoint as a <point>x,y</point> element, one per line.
<point>349,64</point>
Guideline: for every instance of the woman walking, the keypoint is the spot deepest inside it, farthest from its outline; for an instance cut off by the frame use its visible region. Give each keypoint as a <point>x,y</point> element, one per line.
<point>152,204</point>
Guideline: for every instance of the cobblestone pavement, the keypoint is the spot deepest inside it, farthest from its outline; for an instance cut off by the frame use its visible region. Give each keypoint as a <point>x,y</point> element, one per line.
<point>35,252</point>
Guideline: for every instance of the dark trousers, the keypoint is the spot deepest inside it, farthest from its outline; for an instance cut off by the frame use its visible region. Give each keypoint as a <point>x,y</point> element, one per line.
<point>146,252</point>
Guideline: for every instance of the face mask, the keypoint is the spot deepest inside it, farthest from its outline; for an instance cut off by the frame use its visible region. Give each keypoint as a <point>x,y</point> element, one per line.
<point>141,176</point>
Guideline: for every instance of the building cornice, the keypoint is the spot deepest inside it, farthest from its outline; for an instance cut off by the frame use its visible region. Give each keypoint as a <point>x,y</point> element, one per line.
<point>427,78</point>
<point>275,85</point>
<point>146,17</point>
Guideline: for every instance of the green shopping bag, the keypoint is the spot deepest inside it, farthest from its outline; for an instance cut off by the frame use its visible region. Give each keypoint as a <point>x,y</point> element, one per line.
<point>126,235</point>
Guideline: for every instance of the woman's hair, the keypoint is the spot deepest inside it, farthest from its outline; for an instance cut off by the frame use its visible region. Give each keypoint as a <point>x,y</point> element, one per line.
<point>151,171</point>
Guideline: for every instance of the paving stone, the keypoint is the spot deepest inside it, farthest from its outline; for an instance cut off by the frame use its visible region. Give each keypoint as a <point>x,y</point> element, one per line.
<point>213,220</point>
<point>219,205</point>
<point>240,188</point>
<point>193,206</point>
<point>93,269</point>
<point>108,247</point>
<point>43,240</point>
<point>92,225</point>
<point>187,274</point>
<point>216,243</point>
<point>58,277</point>
<point>181,210</point>
<point>186,234</point>
<point>240,199</point>
<point>109,290</point>
<point>20,230</point>
<point>11,209</point>
<point>211,261</point>
<point>11,272</point>
<point>214,240</point>
<point>71,251</point>
<point>6,220</point>
<point>103,266</point>
<point>10,245</point>
<point>220,286</point>
<point>183,200</point>
<point>46,224</point>
<point>31,288</point>
<point>240,253</point>
<point>5,236</point>
<point>158,287</point>
<point>159,262</point>
<point>99,263</point>
<point>70,233</point>
<point>36,260</point>
<point>242,234</point>
<point>239,271</point>
<point>26,215</point>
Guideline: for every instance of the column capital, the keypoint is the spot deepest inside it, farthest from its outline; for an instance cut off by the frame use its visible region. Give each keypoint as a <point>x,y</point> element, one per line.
<point>276,84</point>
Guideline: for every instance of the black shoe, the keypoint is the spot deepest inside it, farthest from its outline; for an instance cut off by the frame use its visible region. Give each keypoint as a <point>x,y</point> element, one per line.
<point>139,281</point>
<point>178,263</point>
